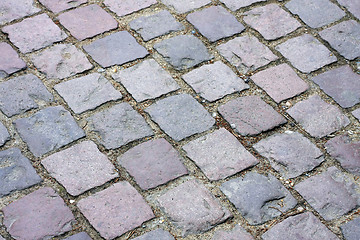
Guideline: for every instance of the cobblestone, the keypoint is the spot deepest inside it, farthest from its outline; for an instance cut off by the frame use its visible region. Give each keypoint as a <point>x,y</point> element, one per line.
<point>235,5</point>
<point>185,5</point>
<point>158,234</point>
<point>356,113</point>
<point>352,6</point>
<point>126,7</point>
<point>351,230</point>
<point>4,135</point>
<point>10,62</point>
<point>61,5</point>
<point>12,10</point>
<point>236,233</point>
<point>79,236</point>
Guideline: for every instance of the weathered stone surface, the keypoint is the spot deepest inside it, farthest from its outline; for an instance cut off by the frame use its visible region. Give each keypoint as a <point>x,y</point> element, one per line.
<point>39,215</point>
<point>185,5</point>
<point>48,129</point>
<point>114,218</point>
<point>317,117</point>
<point>125,7</point>
<point>10,62</point>
<point>4,135</point>
<point>192,208</point>
<point>184,51</point>
<point>61,5</point>
<point>351,230</point>
<point>88,92</point>
<point>180,116</point>
<point>157,234</point>
<point>11,10</point>
<point>356,113</point>
<point>79,236</point>
<point>219,154</point>
<point>234,234</point>
<point>236,4</point>
<point>352,6</point>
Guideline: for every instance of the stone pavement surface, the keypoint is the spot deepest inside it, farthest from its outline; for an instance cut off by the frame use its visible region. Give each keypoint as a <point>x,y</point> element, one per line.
<point>169,120</point>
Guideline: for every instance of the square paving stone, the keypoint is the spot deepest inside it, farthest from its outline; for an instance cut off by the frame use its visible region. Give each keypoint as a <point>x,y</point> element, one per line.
<point>219,154</point>
<point>49,129</point>
<point>88,92</point>
<point>157,234</point>
<point>317,117</point>
<point>61,5</point>
<point>34,33</point>
<point>146,80</point>
<point>4,135</point>
<point>10,62</point>
<point>183,52</point>
<point>155,25</point>
<point>80,168</point>
<point>39,215</point>
<point>352,6</point>
<point>11,10</point>
<point>185,5</point>
<point>258,197</point>
<point>118,125</point>
<point>250,115</point>
<point>16,172</point>
<point>79,236</point>
<point>344,38</point>
<point>331,193</point>
<point>116,210</point>
<point>21,94</point>
<point>236,4</point>
<point>290,153</point>
<point>192,208</point>
<point>246,53</point>
<point>215,23</point>
<point>235,234</point>
<point>306,53</point>
<point>180,116</point>
<point>125,7</point>
<point>315,13</point>
<point>351,230</point>
<point>356,113</point>
<point>61,61</point>
<point>115,49</point>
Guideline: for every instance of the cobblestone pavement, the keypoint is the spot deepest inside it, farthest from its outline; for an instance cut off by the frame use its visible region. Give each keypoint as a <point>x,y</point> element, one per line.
<point>169,119</point>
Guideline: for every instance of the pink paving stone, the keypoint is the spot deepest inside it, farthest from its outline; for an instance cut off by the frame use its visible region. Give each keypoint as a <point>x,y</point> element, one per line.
<point>125,7</point>
<point>153,163</point>
<point>79,236</point>
<point>356,113</point>
<point>234,234</point>
<point>10,62</point>
<point>317,117</point>
<point>352,6</point>
<point>11,10</point>
<point>39,215</point>
<point>280,82</point>
<point>60,5</point>
<point>236,4</point>
<point>185,5</point>
<point>34,33</point>
<point>115,210</point>
<point>219,154</point>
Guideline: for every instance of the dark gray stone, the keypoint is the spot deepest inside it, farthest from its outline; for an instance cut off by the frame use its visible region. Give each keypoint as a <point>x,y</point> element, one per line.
<point>4,135</point>
<point>157,234</point>
<point>351,230</point>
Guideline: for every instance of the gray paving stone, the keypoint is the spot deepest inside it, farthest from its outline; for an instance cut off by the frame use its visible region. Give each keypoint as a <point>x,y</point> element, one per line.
<point>146,80</point>
<point>16,172</point>
<point>183,52</point>
<point>180,116</point>
<point>125,7</point>
<point>306,53</point>
<point>290,153</point>
<point>21,94</point>
<point>250,115</point>
<point>1,238</point>
<point>236,4</point>
<point>351,230</point>
<point>4,135</point>
<point>118,125</point>
<point>88,92</point>
<point>48,130</point>
<point>11,10</point>
<point>157,234</point>
<point>234,234</point>
<point>185,5</point>
<point>79,236</point>
<point>317,117</point>
<point>114,218</point>
<point>192,208</point>
<point>10,62</point>
<point>39,215</point>
<point>258,197</point>
<point>352,6</point>
<point>206,152</point>
<point>61,5</point>
<point>356,113</point>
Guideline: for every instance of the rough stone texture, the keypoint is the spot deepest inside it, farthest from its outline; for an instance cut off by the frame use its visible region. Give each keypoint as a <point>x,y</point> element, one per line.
<point>118,125</point>
<point>39,215</point>
<point>153,163</point>
<point>246,53</point>
<point>306,53</point>
<point>215,23</point>
<point>16,172</point>
<point>4,135</point>
<point>315,13</point>
<point>351,230</point>
<point>183,52</point>
<point>317,117</point>
<point>290,153</point>
<point>180,116</point>
<point>146,80</point>
<point>219,154</point>
<point>236,4</point>
<point>258,197</point>
<point>235,234</point>
<point>61,61</point>
<point>60,5</point>
<point>88,92</point>
<point>344,38</point>
<point>10,62</point>
<point>157,234</point>
<point>11,10</point>
<point>155,25</point>
<point>271,21</point>
<point>250,115</point>
<point>125,7</point>
<point>331,193</point>
<point>79,236</point>
<point>185,5</point>
<point>192,208</point>
<point>80,168</point>
<point>48,129</point>
<point>21,94</point>
<point>116,49</point>
<point>114,218</point>
<point>356,113</point>
<point>34,33</point>
<point>352,6</point>
<point>280,82</point>
<point>342,84</point>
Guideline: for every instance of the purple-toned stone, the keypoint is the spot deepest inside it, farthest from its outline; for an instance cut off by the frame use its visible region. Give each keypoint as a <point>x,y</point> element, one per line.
<point>60,5</point>
<point>10,62</point>
<point>351,230</point>
<point>157,234</point>
<point>115,49</point>
<point>16,172</point>
<point>185,5</point>
<point>4,135</point>
<point>317,117</point>
<point>356,113</point>
<point>352,6</point>
<point>48,130</point>
<point>115,210</point>
<point>39,215</point>
<point>11,10</point>
<point>125,7</point>
<point>234,234</point>
<point>79,236</point>
<point>234,5</point>
<point>192,208</point>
